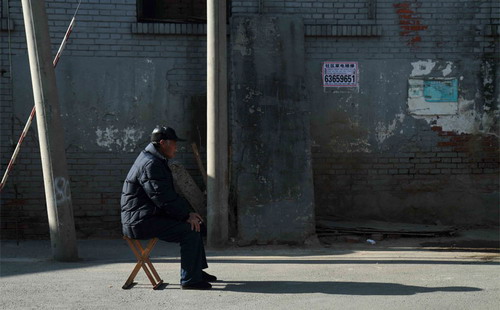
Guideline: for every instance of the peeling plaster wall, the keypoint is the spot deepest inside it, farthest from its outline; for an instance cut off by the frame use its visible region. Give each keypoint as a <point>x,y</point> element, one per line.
<point>114,86</point>
<point>471,114</point>
<point>112,104</point>
<point>109,107</point>
<point>376,157</point>
<point>379,154</point>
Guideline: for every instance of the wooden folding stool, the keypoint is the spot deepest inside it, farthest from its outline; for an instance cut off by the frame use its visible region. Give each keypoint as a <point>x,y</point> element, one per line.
<point>143,262</point>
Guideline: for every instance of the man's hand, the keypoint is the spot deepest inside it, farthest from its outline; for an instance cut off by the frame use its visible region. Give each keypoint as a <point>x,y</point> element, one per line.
<point>195,220</point>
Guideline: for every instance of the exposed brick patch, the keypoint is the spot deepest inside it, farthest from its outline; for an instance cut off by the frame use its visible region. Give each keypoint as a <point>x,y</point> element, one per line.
<point>456,163</point>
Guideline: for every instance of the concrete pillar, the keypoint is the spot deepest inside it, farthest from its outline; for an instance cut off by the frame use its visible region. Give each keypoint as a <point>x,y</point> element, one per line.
<point>217,136</point>
<point>271,147</point>
<point>51,132</point>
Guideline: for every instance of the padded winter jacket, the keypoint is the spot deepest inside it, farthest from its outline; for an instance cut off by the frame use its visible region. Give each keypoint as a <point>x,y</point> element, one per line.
<point>148,193</point>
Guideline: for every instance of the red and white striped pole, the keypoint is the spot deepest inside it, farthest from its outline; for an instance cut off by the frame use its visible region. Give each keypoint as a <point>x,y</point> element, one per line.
<point>32,114</point>
<point>63,44</point>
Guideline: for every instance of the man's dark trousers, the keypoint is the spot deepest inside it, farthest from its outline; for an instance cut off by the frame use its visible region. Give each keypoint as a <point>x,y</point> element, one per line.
<point>193,258</point>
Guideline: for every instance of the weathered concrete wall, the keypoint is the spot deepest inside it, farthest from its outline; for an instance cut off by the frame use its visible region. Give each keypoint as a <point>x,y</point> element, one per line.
<point>115,84</point>
<point>375,159</point>
<point>379,154</point>
<point>380,151</point>
<point>271,159</point>
<point>112,104</point>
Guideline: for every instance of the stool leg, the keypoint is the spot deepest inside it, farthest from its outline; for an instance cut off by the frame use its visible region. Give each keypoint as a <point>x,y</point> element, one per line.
<point>134,272</point>
<point>146,259</point>
<point>156,281</point>
<point>132,276</point>
<point>143,262</point>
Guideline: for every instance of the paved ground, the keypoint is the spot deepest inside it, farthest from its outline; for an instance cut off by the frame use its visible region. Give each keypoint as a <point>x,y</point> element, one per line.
<point>343,276</point>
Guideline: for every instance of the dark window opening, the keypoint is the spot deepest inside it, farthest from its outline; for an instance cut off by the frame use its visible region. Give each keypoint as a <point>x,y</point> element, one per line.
<point>172,11</point>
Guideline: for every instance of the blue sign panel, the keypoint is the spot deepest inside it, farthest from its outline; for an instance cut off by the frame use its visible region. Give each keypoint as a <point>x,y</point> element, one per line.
<point>441,90</point>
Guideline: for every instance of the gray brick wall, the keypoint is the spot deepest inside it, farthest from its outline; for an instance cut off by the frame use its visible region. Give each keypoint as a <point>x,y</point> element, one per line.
<point>364,30</point>
<point>104,29</point>
<point>431,175</point>
<point>434,161</point>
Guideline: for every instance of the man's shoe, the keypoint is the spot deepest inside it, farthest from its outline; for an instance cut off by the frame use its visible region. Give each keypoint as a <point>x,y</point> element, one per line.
<point>208,277</point>
<point>203,285</point>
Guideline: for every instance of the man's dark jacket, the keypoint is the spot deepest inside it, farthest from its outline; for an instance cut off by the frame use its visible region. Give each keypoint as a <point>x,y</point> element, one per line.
<point>149,196</point>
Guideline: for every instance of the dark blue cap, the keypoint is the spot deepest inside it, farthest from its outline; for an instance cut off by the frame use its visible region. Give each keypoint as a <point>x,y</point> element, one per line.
<point>164,133</point>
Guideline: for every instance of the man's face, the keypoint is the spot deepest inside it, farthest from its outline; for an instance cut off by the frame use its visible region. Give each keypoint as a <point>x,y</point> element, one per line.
<point>169,147</point>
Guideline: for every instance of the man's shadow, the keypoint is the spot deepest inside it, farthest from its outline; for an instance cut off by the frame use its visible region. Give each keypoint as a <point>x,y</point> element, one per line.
<point>332,287</point>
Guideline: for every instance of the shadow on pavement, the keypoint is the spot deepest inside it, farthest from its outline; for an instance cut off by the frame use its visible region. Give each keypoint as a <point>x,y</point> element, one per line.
<point>332,287</point>
<point>32,257</point>
<point>17,267</point>
<point>382,261</point>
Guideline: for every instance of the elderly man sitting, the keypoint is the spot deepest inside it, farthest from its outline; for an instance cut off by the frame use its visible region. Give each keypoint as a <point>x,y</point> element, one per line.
<point>150,207</point>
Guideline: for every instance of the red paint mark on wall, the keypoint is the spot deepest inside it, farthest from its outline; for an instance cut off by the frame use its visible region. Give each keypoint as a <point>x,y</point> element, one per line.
<point>483,146</point>
<point>409,22</point>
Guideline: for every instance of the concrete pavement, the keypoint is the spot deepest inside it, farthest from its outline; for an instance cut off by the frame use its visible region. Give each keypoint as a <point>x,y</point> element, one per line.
<point>343,276</point>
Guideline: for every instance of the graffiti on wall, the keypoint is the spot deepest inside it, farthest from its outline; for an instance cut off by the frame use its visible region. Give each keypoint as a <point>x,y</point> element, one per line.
<point>410,22</point>
<point>62,190</point>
